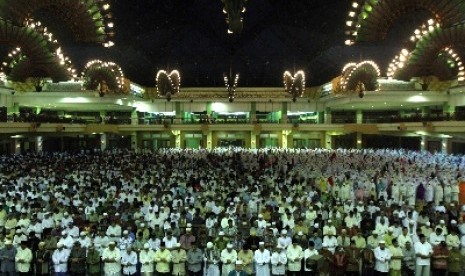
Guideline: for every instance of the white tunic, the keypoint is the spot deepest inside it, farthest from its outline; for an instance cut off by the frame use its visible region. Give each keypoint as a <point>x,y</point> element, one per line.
<point>228,258</point>
<point>113,267</point>
<point>129,262</point>
<point>382,258</point>
<point>60,260</point>
<point>294,257</point>
<point>262,259</point>
<point>278,263</point>
<point>147,258</point>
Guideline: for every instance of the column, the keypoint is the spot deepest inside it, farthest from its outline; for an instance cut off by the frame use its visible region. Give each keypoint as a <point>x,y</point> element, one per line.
<point>448,110</point>
<point>39,144</point>
<point>103,142</point>
<point>328,141</point>
<point>253,140</point>
<point>327,115</point>
<point>359,116</point>
<point>423,143</point>
<point>134,145</point>
<point>209,140</point>
<point>284,137</point>
<point>359,140</point>
<point>177,138</point>
<point>103,115</point>
<point>253,112</point>
<point>17,146</point>
<point>134,117</point>
<point>284,113</point>
<point>178,112</point>
<point>444,148</point>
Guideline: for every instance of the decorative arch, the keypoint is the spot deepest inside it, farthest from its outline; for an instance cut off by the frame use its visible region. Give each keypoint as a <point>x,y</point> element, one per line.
<point>97,72</point>
<point>233,9</point>
<point>366,73</point>
<point>168,84</point>
<point>294,85</point>
<point>89,20</point>
<point>425,56</point>
<point>32,43</point>
<point>370,20</point>
<point>28,69</point>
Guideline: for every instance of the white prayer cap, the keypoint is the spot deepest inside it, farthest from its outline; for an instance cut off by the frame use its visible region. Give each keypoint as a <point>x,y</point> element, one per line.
<point>260,216</point>
<point>189,225</point>
<point>442,221</point>
<point>188,229</point>
<point>105,214</point>
<point>177,244</point>
<point>209,245</point>
<point>142,225</point>
<point>8,242</point>
<point>261,243</point>
<point>112,243</point>
<point>329,221</point>
<point>221,233</point>
<point>146,246</point>
<point>59,244</point>
<point>284,231</point>
<point>428,223</point>
<point>382,242</point>
<point>19,231</point>
<point>300,233</point>
<point>238,262</point>
<point>117,214</point>
<point>279,246</point>
<point>66,213</point>
<point>125,232</point>
<point>344,231</point>
<point>412,221</point>
<point>324,245</point>
<point>453,221</point>
<point>230,246</point>
<point>83,233</point>
<point>391,229</point>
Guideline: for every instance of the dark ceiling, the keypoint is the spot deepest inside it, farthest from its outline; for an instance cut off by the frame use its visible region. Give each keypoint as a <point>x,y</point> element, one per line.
<point>190,35</point>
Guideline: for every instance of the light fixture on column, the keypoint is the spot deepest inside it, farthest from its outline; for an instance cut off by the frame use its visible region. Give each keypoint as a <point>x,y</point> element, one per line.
<point>233,9</point>
<point>168,84</point>
<point>231,85</point>
<point>294,85</point>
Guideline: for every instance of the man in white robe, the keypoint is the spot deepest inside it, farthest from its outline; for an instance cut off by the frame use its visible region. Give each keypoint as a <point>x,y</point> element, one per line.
<point>147,259</point>
<point>228,259</point>
<point>262,259</point>
<point>111,257</point>
<point>129,261</point>
<point>294,258</point>
<point>60,259</point>
<point>278,261</point>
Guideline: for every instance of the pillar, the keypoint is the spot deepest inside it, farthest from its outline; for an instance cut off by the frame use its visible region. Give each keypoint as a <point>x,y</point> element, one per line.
<point>359,116</point>
<point>134,117</point>
<point>284,136</point>
<point>328,141</point>
<point>103,115</point>
<point>39,144</point>
<point>209,140</point>
<point>177,138</point>
<point>284,113</point>
<point>253,140</point>
<point>134,145</point>
<point>359,140</point>
<point>327,115</point>
<point>209,108</point>
<point>444,148</point>
<point>448,109</point>
<point>423,143</point>
<point>103,142</point>
<point>17,146</point>
<point>253,112</point>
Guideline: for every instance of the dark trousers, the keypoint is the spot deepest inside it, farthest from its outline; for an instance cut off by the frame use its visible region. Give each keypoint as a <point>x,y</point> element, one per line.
<point>199,273</point>
<point>377,273</point>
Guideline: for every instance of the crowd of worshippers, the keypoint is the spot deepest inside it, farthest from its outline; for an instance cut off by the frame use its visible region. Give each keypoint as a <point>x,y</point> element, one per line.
<point>232,212</point>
